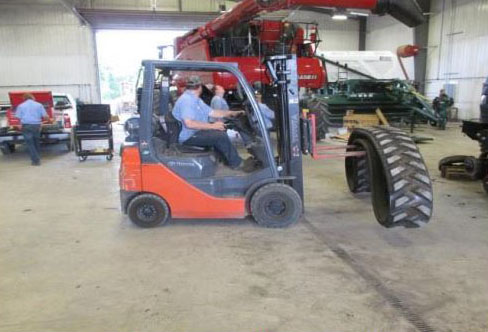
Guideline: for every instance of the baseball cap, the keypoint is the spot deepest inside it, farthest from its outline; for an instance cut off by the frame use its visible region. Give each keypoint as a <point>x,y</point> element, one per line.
<point>193,81</point>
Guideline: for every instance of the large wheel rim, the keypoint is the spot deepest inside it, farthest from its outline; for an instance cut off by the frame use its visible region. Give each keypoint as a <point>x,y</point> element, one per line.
<point>275,207</point>
<point>147,212</point>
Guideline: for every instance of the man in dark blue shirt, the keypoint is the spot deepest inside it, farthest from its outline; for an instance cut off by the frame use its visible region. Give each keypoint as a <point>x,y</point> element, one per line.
<point>194,115</point>
<point>31,114</point>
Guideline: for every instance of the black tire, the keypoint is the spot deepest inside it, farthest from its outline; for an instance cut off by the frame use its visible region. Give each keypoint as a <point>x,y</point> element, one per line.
<point>320,109</point>
<point>357,169</point>
<point>109,157</point>
<point>401,189</point>
<point>473,167</point>
<point>148,210</point>
<point>6,148</point>
<point>276,205</point>
<point>485,184</point>
<point>452,161</point>
<point>83,158</point>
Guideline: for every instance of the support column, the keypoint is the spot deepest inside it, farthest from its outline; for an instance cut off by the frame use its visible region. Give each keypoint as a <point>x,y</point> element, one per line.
<point>421,38</point>
<point>362,33</point>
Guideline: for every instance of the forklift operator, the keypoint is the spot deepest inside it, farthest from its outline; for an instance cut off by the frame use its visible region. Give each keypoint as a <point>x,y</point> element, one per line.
<point>194,115</point>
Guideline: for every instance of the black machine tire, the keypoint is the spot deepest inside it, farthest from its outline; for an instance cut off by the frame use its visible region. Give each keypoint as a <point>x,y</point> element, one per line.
<point>276,205</point>
<point>109,156</point>
<point>473,167</point>
<point>451,161</point>
<point>148,210</point>
<point>357,170</point>
<point>320,109</point>
<point>7,148</point>
<point>401,189</point>
<point>485,183</point>
<point>83,158</point>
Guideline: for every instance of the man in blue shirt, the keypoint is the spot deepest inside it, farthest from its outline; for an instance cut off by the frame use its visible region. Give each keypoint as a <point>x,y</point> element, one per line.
<point>218,102</point>
<point>194,115</point>
<point>31,114</point>
<point>268,116</point>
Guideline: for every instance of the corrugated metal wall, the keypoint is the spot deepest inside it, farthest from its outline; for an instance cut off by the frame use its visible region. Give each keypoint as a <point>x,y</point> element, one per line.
<point>458,51</point>
<point>386,34</point>
<point>46,47</point>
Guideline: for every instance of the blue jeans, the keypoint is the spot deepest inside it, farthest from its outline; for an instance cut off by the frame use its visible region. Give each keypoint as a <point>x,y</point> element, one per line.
<point>32,138</point>
<point>219,141</point>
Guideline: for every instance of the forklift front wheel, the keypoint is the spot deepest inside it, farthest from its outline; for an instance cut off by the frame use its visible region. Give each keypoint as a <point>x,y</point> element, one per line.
<point>82,158</point>
<point>276,205</point>
<point>148,210</point>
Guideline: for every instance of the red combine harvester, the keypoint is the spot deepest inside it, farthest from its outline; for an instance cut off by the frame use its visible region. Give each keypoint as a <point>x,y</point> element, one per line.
<point>54,130</point>
<point>238,37</point>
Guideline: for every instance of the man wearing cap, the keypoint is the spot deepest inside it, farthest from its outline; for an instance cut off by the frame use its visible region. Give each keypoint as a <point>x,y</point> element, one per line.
<point>31,114</point>
<point>194,115</point>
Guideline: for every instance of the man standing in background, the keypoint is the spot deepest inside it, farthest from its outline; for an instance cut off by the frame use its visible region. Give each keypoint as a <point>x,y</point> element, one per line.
<point>31,114</point>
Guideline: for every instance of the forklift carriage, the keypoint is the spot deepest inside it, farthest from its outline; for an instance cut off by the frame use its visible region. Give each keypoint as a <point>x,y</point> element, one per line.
<point>160,178</point>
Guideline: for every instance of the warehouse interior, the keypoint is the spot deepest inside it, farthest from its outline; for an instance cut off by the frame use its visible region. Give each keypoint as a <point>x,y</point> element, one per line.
<point>72,259</point>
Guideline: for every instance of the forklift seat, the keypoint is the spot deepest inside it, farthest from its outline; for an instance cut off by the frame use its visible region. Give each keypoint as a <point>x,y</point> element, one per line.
<point>173,129</point>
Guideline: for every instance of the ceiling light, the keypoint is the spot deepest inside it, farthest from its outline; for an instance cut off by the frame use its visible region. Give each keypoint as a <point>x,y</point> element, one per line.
<point>339,17</point>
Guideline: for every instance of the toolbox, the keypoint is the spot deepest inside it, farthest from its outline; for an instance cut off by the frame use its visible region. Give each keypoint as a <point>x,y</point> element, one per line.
<point>94,124</point>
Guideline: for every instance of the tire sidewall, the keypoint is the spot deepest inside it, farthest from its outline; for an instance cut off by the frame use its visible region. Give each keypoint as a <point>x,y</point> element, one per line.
<point>160,206</point>
<point>287,195</point>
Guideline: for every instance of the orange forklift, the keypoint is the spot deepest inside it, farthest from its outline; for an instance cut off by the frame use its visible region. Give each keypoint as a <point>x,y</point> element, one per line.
<point>162,179</point>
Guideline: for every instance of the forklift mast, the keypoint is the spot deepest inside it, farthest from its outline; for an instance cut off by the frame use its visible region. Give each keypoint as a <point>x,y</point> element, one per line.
<point>284,76</point>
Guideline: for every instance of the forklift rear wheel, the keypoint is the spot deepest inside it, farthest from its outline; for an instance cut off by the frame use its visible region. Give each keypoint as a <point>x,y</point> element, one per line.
<point>276,205</point>
<point>357,170</point>
<point>148,210</point>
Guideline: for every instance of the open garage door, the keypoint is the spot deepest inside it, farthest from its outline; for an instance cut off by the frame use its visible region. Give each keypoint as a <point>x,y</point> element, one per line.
<point>120,53</point>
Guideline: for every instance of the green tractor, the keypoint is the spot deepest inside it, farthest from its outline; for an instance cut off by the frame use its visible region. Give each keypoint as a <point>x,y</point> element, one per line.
<point>398,100</point>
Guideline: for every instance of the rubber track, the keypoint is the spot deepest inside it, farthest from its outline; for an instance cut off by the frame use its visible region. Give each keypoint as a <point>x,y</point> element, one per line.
<point>407,179</point>
<point>358,180</point>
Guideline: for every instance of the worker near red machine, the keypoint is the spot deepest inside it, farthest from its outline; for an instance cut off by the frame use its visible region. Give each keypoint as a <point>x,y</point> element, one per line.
<point>194,115</point>
<point>218,102</point>
<point>268,117</point>
<point>31,114</point>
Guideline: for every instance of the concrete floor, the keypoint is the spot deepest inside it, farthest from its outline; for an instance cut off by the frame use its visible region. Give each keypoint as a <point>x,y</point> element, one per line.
<point>70,261</point>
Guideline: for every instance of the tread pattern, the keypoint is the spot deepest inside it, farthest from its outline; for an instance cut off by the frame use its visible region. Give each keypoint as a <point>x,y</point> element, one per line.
<point>357,172</point>
<point>408,188</point>
<point>320,109</point>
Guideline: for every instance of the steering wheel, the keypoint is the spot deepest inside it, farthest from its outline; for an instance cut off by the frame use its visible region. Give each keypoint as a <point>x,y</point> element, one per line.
<point>238,123</point>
